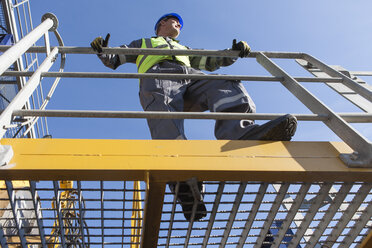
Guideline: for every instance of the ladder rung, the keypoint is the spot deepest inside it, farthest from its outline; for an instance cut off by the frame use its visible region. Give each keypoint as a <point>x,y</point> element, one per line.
<point>361,73</point>
<point>8,82</point>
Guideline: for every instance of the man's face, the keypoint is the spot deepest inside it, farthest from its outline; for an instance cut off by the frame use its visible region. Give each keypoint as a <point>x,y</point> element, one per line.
<point>171,27</point>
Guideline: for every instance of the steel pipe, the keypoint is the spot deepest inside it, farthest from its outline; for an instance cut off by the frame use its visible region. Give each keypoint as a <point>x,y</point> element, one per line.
<point>159,51</point>
<point>158,115</point>
<point>145,75</point>
<point>168,76</point>
<point>361,73</point>
<point>349,117</point>
<point>16,51</point>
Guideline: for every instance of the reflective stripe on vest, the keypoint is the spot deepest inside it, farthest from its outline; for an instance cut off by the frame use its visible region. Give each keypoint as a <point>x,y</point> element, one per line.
<point>145,62</point>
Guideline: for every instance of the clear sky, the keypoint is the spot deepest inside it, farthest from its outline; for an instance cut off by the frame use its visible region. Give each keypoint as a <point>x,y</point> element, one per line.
<point>336,32</point>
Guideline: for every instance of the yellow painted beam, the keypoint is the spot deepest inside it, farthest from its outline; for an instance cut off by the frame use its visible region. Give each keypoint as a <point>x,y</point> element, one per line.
<point>165,160</point>
<point>136,222</point>
<point>367,241</point>
<point>152,216</point>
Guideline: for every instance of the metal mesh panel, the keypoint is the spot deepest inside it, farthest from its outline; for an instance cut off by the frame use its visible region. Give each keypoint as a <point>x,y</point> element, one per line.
<point>94,213</point>
<point>257,214</point>
<point>240,214</point>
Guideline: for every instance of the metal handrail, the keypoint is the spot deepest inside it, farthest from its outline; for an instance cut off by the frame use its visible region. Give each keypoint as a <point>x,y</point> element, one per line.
<point>159,51</point>
<point>170,76</point>
<point>348,117</point>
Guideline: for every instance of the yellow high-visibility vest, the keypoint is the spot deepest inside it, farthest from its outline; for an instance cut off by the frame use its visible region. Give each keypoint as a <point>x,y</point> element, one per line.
<point>145,62</point>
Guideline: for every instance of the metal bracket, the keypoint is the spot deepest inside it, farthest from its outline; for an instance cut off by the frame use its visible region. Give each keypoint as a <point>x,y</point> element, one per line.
<point>6,154</point>
<point>54,19</point>
<point>356,160</point>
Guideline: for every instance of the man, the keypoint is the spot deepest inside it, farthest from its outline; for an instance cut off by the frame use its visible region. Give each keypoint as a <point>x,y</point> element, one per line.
<point>192,95</point>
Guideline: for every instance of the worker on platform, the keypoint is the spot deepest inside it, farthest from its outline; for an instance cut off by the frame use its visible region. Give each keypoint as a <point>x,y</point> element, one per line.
<point>180,95</point>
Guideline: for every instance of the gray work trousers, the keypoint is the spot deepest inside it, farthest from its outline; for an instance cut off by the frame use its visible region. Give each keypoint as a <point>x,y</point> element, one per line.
<point>193,96</point>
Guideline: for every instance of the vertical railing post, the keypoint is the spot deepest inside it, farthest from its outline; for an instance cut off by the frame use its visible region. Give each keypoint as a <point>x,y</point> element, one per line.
<point>155,192</point>
<point>136,222</point>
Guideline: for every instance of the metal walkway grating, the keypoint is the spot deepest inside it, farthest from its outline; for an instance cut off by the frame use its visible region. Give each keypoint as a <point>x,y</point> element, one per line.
<point>105,209</point>
<point>253,214</point>
<point>240,214</point>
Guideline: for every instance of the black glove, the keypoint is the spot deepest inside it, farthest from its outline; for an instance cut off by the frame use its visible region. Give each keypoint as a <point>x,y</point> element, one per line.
<point>243,47</point>
<point>98,43</point>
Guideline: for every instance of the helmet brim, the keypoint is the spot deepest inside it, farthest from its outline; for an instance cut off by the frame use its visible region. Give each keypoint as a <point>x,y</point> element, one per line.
<point>175,15</point>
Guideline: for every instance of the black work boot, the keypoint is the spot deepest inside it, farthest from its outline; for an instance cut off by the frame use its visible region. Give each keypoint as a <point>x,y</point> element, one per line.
<point>280,129</point>
<point>189,194</point>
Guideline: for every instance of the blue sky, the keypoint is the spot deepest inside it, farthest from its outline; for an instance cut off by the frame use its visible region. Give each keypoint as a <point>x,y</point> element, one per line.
<point>336,32</point>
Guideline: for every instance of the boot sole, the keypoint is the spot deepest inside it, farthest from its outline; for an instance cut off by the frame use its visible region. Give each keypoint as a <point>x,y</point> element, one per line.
<point>283,131</point>
<point>280,129</point>
<point>186,200</point>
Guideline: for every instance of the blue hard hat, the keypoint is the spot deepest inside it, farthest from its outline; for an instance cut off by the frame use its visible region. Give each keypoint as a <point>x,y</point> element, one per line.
<point>175,15</point>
